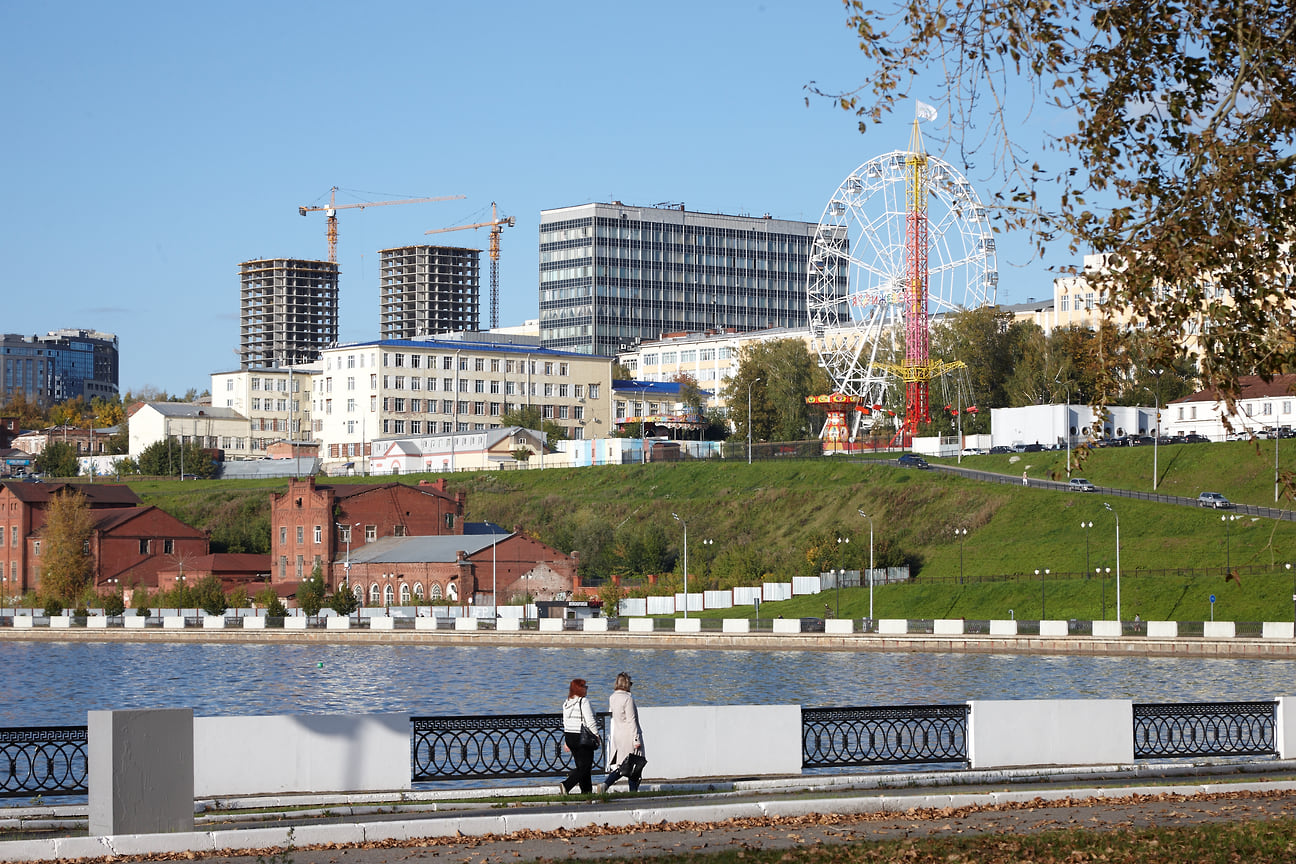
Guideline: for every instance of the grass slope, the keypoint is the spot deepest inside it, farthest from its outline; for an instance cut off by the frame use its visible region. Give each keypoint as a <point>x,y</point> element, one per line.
<point>789,513</point>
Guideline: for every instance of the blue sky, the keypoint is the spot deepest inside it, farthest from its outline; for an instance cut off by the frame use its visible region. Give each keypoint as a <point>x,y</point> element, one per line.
<point>151,147</point>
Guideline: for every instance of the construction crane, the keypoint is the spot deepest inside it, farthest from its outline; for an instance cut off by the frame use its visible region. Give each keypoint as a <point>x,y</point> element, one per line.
<point>333,207</point>
<point>497,225</point>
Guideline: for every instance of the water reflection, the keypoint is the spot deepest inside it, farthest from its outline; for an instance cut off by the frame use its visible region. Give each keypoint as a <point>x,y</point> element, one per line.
<point>56,683</point>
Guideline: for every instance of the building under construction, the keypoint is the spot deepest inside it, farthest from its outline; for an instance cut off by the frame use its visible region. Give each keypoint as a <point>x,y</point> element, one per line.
<point>429,289</point>
<point>288,311</point>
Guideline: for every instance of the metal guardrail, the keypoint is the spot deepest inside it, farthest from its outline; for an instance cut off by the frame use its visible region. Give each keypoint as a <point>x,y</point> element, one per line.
<point>491,747</point>
<point>838,737</point>
<point>1205,729</point>
<point>43,760</point>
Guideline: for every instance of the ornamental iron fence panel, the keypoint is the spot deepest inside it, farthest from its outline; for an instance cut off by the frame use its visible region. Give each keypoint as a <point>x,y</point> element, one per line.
<point>43,760</point>
<point>1205,729</point>
<point>837,737</point>
<point>491,747</point>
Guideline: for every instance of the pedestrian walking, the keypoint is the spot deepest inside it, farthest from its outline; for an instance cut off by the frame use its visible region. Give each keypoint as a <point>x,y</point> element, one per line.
<point>1025,481</point>
<point>580,732</point>
<point>626,750</point>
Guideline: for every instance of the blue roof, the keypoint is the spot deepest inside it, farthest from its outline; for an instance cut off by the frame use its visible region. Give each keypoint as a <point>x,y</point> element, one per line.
<point>456,345</point>
<point>651,388</point>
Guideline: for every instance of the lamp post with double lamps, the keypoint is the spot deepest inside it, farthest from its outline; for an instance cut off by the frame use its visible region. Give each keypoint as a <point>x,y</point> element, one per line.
<point>840,574</point>
<point>749,429</point>
<point>346,566</point>
<point>870,579</point>
<point>961,534</point>
<point>1117,517</point>
<point>1085,526</point>
<point>686,596</point>
<point>1043,576</point>
<point>1228,542</point>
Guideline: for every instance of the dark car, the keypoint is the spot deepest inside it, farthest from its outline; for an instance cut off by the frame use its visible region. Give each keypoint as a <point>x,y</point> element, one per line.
<point>1000,448</point>
<point>1142,441</point>
<point>909,460</point>
<point>1194,438</point>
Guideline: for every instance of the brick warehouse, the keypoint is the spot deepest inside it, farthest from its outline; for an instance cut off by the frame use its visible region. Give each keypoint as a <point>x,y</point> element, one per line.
<point>317,524</point>
<point>129,544</point>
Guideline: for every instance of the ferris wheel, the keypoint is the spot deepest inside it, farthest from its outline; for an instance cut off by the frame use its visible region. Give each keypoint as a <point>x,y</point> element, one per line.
<point>862,267</point>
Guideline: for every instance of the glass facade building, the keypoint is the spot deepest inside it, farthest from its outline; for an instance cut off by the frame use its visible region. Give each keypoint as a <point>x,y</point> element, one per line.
<point>612,275</point>
<point>58,366</point>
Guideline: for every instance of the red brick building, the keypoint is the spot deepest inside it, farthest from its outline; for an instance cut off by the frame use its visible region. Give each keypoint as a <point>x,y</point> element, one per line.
<point>464,568</point>
<point>128,545</point>
<point>247,570</point>
<point>318,524</point>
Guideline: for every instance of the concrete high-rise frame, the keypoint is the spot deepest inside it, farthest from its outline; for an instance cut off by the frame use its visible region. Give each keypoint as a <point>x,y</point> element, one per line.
<point>288,311</point>
<point>613,274</point>
<point>429,289</point>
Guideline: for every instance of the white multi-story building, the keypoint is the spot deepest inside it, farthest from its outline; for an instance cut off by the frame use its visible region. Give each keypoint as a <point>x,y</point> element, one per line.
<point>438,386</point>
<point>211,428</point>
<point>1261,408</point>
<point>276,403</point>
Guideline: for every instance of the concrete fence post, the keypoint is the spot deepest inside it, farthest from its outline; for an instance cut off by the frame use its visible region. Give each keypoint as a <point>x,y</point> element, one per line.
<point>140,771</point>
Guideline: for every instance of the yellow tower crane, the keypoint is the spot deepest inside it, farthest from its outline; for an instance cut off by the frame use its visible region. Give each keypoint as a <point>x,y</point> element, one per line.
<point>331,212</point>
<point>497,225</point>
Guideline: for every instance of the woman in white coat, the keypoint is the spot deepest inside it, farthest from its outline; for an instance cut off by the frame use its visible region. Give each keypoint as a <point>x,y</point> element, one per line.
<point>626,752</point>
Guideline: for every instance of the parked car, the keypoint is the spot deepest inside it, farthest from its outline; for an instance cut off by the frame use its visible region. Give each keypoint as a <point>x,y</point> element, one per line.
<point>1213,499</point>
<point>1000,448</point>
<point>909,460</point>
<point>1079,484</point>
<point>1142,441</point>
<point>973,451</point>
<point>1194,438</point>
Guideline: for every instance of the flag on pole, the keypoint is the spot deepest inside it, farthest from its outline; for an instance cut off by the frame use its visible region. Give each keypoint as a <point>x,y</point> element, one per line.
<point>925,112</point>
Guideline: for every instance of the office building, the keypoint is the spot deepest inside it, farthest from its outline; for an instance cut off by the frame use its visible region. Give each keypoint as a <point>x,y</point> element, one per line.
<point>612,275</point>
<point>444,387</point>
<point>288,311</point>
<point>61,365</point>
<point>429,289</point>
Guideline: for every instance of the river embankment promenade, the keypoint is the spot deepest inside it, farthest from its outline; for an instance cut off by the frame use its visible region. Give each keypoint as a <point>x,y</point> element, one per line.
<point>1141,646</point>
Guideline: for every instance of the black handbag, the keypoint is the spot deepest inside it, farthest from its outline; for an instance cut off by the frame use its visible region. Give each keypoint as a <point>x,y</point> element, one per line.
<point>632,765</point>
<point>589,739</point>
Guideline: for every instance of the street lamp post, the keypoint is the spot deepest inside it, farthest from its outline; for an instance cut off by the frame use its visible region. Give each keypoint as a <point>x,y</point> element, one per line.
<point>708,543</point>
<point>1228,541</point>
<point>837,581</point>
<point>686,596</point>
<point>961,534</point>
<point>1117,517</point>
<point>1289,567</point>
<point>494,583</point>
<point>1085,526</point>
<point>346,567</point>
<point>1042,578</point>
<point>870,579</point>
<point>749,429</point>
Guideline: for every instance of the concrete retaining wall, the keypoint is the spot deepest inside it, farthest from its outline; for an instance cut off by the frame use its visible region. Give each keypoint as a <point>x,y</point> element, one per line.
<point>720,740</point>
<point>735,625</point>
<point>892,626</point>
<point>1003,628</point>
<point>1053,628</point>
<point>1021,732</point>
<point>787,625</point>
<point>688,625</point>
<point>1219,629</point>
<point>1107,629</point>
<point>947,627</point>
<point>641,625</point>
<point>1163,629</point>
<point>279,754</point>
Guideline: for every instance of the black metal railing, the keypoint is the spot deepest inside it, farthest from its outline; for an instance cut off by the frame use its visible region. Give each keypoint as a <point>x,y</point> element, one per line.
<point>836,737</point>
<point>492,747</point>
<point>1205,729</point>
<point>43,760</point>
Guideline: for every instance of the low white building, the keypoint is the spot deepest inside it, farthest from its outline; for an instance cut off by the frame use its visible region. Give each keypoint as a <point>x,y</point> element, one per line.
<point>1260,406</point>
<point>212,428</point>
<point>1050,425</point>
<point>484,450</point>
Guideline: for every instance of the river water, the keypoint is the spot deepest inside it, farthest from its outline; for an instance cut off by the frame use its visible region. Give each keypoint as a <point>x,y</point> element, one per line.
<point>56,683</point>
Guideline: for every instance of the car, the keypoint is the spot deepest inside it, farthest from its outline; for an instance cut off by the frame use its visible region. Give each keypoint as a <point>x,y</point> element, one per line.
<point>973,451</point>
<point>909,460</point>
<point>1194,438</point>
<point>1142,441</point>
<point>1079,484</point>
<point>1000,449</point>
<point>1213,499</point>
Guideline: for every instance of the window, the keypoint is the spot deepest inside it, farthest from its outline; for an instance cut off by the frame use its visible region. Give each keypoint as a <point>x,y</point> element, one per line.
<point>578,412</point>
<point>479,385</point>
<point>479,364</point>
<point>301,534</point>
<point>371,533</point>
<point>593,391</point>
<point>283,535</point>
<point>168,547</point>
<point>373,594</point>
<point>283,566</point>
<point>414,361</point>
<point>447,363</point>
<point>449,520</point>
<point>416,427</point>
<point>398,531</point>
<point>36,547</point>
<point>301,566</point>
<point>548,368</point>
<point>319,534</point>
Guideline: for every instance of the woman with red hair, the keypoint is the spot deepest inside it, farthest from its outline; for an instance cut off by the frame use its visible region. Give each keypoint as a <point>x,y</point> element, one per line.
<point>577,715</point>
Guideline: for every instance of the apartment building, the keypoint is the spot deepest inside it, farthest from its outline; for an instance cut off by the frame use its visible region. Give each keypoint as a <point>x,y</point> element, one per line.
<point>429,289</point>
<point>61,365</point>
<point>276,403</point>
<point>439,386</point>
<point>288,311</point>
<point>612,275</point>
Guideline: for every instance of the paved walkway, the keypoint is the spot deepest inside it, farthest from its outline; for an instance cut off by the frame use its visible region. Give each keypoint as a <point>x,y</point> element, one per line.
<point>766,814</point>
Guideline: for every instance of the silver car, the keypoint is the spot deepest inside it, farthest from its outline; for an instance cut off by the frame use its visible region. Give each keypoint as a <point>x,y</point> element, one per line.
<point>1213,499</point>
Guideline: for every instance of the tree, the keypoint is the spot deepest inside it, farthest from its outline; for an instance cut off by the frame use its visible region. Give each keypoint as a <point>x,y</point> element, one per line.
<point>529,417</point>
<point>66,563</point>
<point>107,412</point>
<point>209,596</point>
<point>1176,141</point>
<point>788,373</point>
<point>30,415</point>
<point>164,458</point>
<point>342,601</point>
<point>310,592</point>
<point>58,459</point>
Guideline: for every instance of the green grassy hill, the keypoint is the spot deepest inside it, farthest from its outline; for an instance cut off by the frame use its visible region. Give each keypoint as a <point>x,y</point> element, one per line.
<point>786,516</point>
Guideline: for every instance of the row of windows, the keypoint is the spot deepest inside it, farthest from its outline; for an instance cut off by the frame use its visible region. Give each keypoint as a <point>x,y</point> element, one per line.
<point>692,355</point>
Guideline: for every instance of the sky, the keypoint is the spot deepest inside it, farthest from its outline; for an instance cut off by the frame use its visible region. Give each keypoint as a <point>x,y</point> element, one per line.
<point>150,147</point>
